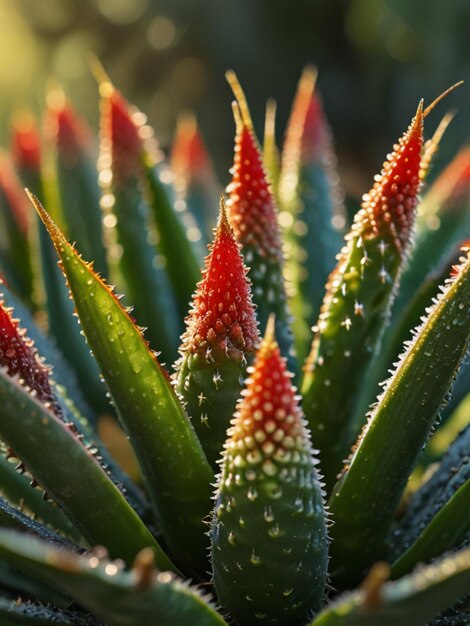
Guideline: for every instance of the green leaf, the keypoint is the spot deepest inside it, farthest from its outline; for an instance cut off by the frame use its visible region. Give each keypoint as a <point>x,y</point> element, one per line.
<point>437,517</point>
<point>195,181</point>
<point>16,488</point>
<point>364,500</point>
<point>312,208</point>
<point>182,263</point>
<point>410,601</point>
<point>13,518</point>
<point>71,476</point>
<point>15,613</point>
<point>142,597</point>
<point>151,414</point>
<point>397,333</point>
<point>71,150</point>
<point>145,283</point>
<point>59,306</point>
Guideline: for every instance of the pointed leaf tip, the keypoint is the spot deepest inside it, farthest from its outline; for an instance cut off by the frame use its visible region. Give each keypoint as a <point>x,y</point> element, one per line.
<point>52,228</point>
<point>122,135</point>
<point>240,98</point>
<point>392,201</point>
<point>189,155</point>
<point>222,318</point>
<point>251,206</point>
<point>66,129</point>
<point>269,333</point>
<point>445,93</point>
<point>25,141</point>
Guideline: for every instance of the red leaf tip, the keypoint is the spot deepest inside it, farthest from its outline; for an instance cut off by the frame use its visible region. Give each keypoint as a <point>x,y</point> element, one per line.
<point>251,205</point>
<point>222,320</point>
<point>25,142</point>
<point>65,128</point>
<point>268,415</point>
<point>125,136</point>
<point>13,193</point>
<point>308,136</point>
<point>19,357</point>
<point>451,190</point>
<point>189,157</point>
<point>121,138</point>
<point>392,201</point>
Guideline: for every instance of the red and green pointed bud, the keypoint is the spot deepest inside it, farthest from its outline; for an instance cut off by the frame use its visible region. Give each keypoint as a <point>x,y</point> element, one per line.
<point>70,148</point>
<point>253,215</point>
<point>269,538</point>
<point>358,298</point>
<point>15,223</point>
<point>313,212</point>
<point>220,339</point>
<point>128,223</point>
<point>195,182</point>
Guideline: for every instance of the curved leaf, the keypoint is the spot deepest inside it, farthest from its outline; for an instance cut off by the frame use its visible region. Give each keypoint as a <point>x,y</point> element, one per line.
<point>148,407</point>
<point>142,597</point>
<point>410,601</point>
<point>71,475</point>
<point>364,500</point>
<point>437,517</point>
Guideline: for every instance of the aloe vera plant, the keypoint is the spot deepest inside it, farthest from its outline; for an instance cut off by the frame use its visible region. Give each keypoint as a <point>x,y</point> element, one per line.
<point>237,515</point>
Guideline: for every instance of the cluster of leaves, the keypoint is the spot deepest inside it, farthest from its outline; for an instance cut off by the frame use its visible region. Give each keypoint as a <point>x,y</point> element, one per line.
<point>243,489</point>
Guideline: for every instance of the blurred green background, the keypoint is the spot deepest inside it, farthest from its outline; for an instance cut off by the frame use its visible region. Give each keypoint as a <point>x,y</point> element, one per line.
<point>376,58</point>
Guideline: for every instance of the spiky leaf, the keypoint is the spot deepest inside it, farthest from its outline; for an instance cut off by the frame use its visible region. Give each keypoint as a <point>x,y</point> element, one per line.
<point>313,215</point>
<point>150,412</point>
<point>129,225</point>
<point>410,601</point>
<point>141,597</point>
<point>220,339</point>
<point>357,301</point>
<point>195,183</point>
<point>437,517</point>
<point>364,500</point>
<point>253,216</point>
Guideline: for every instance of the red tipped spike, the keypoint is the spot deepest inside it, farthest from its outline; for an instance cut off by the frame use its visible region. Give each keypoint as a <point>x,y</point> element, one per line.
<point>19,357</point>
<point>222,318</point>
<point>269,410</point>
<point>307,135</point>
<point>121,133</point>
<point>14,193</point>
<point>71,133</point>
<point>189,157</point>
<point>392,201</point>
<point>251,204</point>
<point>452,187</point>
<point>25,142</point>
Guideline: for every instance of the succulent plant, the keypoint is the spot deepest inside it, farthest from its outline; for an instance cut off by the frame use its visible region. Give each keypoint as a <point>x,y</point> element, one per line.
<point>252,504</point>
